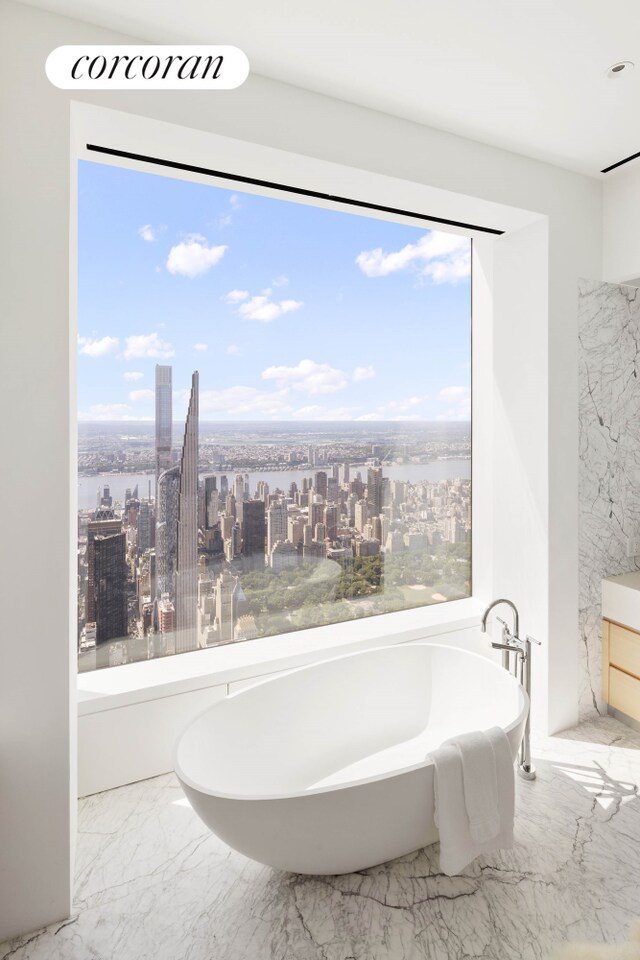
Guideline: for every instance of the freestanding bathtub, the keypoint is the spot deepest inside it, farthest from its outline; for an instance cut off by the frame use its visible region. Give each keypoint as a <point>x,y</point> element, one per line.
<point>325,770</point>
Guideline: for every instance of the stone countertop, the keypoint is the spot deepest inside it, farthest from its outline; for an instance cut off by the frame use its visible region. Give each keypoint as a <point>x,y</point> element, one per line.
<point>621,599</point>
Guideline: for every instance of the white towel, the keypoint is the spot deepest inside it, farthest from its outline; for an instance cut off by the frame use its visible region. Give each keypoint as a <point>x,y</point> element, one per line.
<point>455,788</point>
<point>505,779</point>
<point>480,784</point>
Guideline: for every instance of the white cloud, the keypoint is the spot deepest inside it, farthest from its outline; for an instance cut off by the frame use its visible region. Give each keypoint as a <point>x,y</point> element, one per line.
<point>200,347</point>
<point>363,373</point>
<point>233,348</point>
<point>442,257</point>
<point>106,411</point>
<point>132,375</point>
<point>137,395</point>
<point>308,376</point>
<point>147,233</point>
<point>234,201</point>
<point>245,400</point>
<point>280,281</point>
<point>97,348</point>
<point>193,257</point>
<point>264,309</point>
<point>224,221</point>
<point>261,307</point>
<point>235,296</point>
<point>148,345</point>
<point>457,401</point>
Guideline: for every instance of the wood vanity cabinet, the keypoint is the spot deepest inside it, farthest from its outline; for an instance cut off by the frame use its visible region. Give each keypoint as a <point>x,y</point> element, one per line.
<point>621,668</point>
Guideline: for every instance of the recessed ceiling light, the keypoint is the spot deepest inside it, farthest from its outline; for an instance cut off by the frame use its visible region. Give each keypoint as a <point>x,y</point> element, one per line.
<point>620,68</point>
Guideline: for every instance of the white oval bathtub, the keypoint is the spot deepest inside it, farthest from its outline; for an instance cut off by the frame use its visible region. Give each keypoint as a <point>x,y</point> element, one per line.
<point>325,770</point>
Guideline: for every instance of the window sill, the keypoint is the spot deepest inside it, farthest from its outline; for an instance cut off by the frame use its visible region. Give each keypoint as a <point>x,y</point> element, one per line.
<point>115,687</point>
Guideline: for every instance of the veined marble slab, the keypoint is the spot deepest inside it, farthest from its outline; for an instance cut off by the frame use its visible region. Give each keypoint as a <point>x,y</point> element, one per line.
<point>154,884</point>
<point>609,451</point>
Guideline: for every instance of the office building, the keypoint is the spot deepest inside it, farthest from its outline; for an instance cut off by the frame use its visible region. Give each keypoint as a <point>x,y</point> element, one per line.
<point>105,525</point>
<point>187,531</point>
<point>374,490</point>
<point>166,530</point>
<point>330,518</point>
<point>225,586</point>
<point>164,414</point>
<point>253,534</point>
<point>108,576</point>
<point>144,527</point>
<point>276,524</point>
<point>320,484</point>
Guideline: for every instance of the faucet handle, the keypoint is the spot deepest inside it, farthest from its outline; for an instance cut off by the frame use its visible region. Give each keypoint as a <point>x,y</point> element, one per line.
<point>533,640</point>
<point>506,630</point>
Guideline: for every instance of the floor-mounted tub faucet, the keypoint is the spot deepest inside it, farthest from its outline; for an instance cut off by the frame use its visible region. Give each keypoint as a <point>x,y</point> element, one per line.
<point>511,643</point>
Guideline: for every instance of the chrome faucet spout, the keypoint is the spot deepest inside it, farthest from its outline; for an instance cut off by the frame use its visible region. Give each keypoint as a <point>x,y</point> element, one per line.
<point>516,615</point>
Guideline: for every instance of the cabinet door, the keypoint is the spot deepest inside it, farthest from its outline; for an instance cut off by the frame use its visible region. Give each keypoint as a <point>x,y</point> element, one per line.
<point>624,693</point>
<point>624,649</point>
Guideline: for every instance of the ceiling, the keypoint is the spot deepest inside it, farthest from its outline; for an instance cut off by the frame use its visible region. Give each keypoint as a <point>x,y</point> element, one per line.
<point>525,75</point>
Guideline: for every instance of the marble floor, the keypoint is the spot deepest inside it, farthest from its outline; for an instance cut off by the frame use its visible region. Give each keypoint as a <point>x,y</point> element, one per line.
<point>154,884</point>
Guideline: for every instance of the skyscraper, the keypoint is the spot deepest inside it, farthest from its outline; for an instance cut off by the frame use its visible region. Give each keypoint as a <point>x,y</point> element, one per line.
<point>145,516</point>
<point>276,524</point>
<point>331,516</point>
<point>104,525</point>
<point>210,485</point>
<point>164,412</point>
<point>166,530</point>
<point>110,587</point>
<point>361,515</point>
<point>187,532</point>
<point>374,490</point>
<point>225,586</point>
<point>253,533</point>
<point>212,509</point>
<point>320,484</point>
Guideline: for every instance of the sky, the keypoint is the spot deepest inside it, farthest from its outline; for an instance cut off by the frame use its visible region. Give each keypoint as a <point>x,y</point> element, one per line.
<point>288,311</point>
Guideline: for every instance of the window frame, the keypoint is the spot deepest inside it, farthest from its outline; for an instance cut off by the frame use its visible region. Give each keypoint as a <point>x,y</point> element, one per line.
<point>228,663</point>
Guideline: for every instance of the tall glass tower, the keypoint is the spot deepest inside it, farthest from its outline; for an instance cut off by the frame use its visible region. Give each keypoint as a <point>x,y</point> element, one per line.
<point>166,527</point>
<point>187,534</point>
<point>164,415</point>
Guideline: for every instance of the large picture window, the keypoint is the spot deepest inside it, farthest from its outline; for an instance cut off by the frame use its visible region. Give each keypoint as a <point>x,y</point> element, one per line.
<point>274,426</point>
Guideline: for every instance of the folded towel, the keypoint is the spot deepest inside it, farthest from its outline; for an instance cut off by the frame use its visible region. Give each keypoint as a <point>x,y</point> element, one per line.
<point>454,787</point>
<point>480,784</point>
<point>457,848</point>
<point>506,786</point>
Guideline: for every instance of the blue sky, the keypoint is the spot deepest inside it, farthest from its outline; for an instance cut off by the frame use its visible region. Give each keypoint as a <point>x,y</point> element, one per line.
<point>288,311</point>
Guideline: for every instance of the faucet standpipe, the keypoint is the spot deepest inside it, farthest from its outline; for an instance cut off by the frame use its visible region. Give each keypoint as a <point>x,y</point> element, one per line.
<point>513,644</point>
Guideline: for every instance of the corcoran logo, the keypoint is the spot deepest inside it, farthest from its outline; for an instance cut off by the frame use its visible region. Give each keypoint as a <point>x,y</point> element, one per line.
<point>147,67</point>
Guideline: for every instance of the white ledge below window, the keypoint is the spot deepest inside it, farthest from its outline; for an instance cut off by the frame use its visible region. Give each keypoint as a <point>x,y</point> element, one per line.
<point>114,687</point>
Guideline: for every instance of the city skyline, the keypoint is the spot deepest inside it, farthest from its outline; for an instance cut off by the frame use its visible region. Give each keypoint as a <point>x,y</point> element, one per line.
<point>291,312</point>
<point>210,560</point>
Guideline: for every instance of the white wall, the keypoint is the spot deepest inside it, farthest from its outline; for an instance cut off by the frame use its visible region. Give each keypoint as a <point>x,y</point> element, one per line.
<point>137,741</point>
<point>620,218</point>
<point>37,755</point>
<point>520,420</point>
